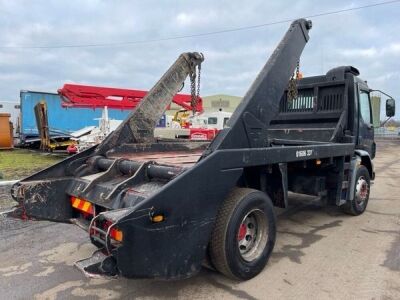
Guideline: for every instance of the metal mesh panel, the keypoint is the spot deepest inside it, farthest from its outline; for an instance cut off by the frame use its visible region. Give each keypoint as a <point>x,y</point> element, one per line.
<point>327,99</point>
<point>303,103</point>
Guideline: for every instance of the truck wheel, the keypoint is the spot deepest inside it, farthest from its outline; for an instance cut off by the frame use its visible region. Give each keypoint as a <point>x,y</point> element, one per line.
<point>244,234</point>
<point>359,203</point>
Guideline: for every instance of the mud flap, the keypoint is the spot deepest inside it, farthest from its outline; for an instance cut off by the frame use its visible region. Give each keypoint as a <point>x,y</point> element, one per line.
<point>98,265</point>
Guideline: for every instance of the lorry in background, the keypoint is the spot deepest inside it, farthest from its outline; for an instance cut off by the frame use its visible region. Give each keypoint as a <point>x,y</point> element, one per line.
<point>105,98</point>
<point>64,117</point>
<point>61,121</point>
<point>160,208</point>
<point>205,127</point>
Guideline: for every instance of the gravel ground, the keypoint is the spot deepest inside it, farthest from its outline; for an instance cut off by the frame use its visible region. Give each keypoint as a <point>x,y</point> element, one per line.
<point>320,254</point>
<point>5,198</point>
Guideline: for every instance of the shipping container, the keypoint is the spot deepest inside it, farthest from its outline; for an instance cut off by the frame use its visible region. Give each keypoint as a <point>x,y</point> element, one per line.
<point>6,132</point>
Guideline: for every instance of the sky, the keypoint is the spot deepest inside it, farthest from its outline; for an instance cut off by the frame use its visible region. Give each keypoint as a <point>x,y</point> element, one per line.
<point>367,39</point>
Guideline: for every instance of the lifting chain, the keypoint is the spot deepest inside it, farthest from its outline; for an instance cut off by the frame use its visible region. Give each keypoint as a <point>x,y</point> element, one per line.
<point>195,93</point>
<point>292,92</point>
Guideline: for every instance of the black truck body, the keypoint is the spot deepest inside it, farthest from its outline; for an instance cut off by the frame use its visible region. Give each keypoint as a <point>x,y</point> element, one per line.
<point>167,198</point>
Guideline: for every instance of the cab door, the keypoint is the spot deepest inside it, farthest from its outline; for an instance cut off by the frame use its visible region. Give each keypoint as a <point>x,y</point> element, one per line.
<point>365,127</point>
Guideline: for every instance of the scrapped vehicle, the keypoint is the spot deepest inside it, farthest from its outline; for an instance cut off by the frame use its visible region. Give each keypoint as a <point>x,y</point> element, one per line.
<point>161,208</point>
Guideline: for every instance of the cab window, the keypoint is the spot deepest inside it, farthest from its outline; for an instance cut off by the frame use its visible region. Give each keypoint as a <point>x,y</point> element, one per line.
<point>225,121</point>
<point>365,109</point>
<point>212,121</point>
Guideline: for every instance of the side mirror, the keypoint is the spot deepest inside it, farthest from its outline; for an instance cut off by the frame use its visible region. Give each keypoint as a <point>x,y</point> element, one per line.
<point>390,107</point>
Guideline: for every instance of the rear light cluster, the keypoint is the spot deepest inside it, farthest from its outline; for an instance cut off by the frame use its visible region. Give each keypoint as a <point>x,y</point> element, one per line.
<point>87,210</point>
<point>115,233</point>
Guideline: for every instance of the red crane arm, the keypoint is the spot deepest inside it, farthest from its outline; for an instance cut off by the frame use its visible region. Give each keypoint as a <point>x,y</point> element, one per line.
<point>86,96</point>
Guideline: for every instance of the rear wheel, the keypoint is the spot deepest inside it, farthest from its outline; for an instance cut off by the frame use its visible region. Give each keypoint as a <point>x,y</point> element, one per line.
<point>362,186</point>
<point>244,234</point>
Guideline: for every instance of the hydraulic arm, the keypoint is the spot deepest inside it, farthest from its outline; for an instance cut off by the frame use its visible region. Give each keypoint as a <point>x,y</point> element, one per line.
<point>139,126</point>
<point>247,128</point>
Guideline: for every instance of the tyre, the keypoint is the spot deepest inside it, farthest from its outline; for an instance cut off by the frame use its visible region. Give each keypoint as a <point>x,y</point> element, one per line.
<point>362,186</point>
<point>244,234</point>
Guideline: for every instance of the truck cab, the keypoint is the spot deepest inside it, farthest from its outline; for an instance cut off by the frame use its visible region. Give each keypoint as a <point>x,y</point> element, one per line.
<point>363,115</point>
<point>335,107</point>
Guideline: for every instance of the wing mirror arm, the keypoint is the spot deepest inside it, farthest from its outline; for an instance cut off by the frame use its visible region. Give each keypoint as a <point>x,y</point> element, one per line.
<point>390,104</point>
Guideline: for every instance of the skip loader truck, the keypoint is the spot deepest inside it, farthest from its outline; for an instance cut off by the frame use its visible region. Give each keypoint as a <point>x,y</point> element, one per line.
<point>159,208</point>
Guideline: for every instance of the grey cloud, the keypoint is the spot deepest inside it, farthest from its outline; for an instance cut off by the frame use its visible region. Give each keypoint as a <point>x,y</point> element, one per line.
<point>367,39</point>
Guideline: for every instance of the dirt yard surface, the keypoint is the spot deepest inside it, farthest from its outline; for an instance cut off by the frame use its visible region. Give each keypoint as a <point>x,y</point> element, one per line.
<point>320,254</point>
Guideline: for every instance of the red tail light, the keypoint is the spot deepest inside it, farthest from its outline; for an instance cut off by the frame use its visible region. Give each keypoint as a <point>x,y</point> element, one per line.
<point>116,234</point>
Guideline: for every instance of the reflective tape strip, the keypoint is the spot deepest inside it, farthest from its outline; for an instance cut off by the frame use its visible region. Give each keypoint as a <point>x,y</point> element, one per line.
<point>82,205</point>
<point>76,203</point>
<point>86,206</point>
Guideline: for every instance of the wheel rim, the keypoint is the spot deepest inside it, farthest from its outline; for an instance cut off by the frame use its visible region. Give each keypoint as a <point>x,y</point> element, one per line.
<point>362,191</point>
<point>252,235</point>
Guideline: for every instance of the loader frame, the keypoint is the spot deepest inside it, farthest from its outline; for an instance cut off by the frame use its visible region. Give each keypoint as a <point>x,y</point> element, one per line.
<point>131,178</point>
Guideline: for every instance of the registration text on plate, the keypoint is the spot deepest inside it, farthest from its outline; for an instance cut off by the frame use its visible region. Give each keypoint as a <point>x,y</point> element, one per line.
<point>303,153</point>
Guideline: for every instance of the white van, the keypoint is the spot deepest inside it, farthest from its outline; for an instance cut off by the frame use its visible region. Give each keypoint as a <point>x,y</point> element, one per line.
<point>213,120</point>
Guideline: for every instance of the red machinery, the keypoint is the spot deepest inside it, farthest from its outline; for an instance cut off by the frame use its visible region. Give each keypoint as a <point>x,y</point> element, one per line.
<point>76,95</point>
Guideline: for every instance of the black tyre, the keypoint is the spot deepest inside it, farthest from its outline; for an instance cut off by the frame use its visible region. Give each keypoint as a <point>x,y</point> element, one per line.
<point>244,234</point>
<point>362,186</point>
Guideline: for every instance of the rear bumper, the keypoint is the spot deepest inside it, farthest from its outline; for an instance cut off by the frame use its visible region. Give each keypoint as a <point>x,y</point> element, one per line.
<point>147,253</point>
<point>98,265</point>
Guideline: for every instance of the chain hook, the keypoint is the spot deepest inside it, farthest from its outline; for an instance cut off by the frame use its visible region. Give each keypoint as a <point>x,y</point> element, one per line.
<point>195,93</point>
<point>292,92</point>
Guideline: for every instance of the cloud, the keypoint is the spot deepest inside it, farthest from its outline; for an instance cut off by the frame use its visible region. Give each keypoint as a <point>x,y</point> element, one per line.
<point>392,49</point>
<point>367,39</point>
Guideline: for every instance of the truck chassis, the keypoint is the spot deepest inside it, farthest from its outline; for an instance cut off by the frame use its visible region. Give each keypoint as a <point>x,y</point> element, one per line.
<point>160,208</point>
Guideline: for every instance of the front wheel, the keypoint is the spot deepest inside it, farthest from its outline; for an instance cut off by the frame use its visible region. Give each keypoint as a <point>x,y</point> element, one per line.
<point>362,187</point>
<point>244,234</point>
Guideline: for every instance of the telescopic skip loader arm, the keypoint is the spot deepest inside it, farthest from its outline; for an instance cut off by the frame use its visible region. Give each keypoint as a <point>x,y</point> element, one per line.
<point>129,194</point>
